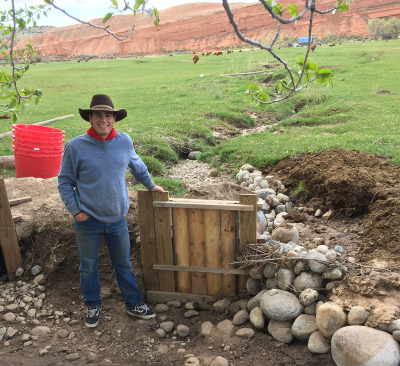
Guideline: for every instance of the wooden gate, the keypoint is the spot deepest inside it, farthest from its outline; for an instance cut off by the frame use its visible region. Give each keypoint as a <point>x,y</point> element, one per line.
<point>187,245</point>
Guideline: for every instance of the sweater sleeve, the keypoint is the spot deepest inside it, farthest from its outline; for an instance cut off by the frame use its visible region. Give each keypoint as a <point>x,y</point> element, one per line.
<point>139,170</point>
<point>67,180</point>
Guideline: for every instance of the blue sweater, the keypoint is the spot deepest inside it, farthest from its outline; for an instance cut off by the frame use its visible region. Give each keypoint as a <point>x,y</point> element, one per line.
<point>92,176</point>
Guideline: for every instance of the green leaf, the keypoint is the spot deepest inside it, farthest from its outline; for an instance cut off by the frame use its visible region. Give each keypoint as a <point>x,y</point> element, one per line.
<point>253,87</point>
<point>324,73</point>
<point>293,11</point>
<point>312,66</point>
<point>115,3</point>
<point>242,90</point>
<point>32,7</point>
<point>157,21</point>
<point>13,103</point>
<point>247,83</point>
<point>14,118</point>
<point>107,16</point>
<point>37,100</point>
<point>300,60</point>
<point>138,3</point>
<point>150,12</point>
<point>344,8</point>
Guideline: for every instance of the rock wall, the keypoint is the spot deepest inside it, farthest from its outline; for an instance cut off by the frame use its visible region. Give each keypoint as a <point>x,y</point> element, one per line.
<point>202,26</point>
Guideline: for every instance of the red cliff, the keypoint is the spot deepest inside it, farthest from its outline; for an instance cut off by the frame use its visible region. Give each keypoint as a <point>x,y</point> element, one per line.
<point>203,26</point>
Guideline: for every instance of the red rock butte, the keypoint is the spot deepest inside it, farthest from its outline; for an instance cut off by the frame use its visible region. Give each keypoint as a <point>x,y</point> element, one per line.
<point>203,26</point>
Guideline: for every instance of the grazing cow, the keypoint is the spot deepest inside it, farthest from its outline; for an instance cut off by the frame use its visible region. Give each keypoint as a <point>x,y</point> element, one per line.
<point>240,50</point>
<point>313,47</point>
<point>195,58</point>
<point>86,60</point>
<point>170,55</point>
<point>78,61</point>
<point>202,54</point>
<point>340,43</point>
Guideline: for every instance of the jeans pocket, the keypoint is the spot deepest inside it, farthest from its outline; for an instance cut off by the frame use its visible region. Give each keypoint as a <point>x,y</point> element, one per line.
<point>81,222</point>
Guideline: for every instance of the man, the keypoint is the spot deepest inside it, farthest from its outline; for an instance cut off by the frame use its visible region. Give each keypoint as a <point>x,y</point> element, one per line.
<point>93,188</point>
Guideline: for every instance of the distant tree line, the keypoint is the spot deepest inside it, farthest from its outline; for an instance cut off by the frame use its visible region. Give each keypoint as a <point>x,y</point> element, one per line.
<point>379,27</point>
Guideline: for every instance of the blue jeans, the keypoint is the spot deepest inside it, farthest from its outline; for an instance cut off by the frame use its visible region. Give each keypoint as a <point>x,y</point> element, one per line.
<point>116,236</point>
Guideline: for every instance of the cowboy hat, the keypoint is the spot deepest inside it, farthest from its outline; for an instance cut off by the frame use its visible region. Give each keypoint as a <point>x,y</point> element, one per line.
<point>102,102</point>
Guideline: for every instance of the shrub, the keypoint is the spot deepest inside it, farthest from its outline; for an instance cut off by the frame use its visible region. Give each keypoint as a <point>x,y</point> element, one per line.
<point>153,165</point>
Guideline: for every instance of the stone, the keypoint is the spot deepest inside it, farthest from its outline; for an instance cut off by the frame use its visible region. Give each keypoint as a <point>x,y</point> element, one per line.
<point>323,249</point>
<point>31,313</point>
<point>280,305</point>
<point>281,331</point>
<point>237,305</point>
<point>282,198</point>
<point>36,270</point>
<point>192,361</point>
<point>219,361</point>
<point>304,326</point>
<point>329,215</point>
<point>315,266</point>
<point>288,206</point>
<point>394,325</point>
<point>43,352</point>
<point>332,274</point>
<point>285,278</point>
<point>255,301</point>
<point>264,193</point>
<point>12,307</point>
<point>9,317</point>
<point>38,304</point>
<point>24,289</point>
<point>299,267</point>
<point>286,233</point>
<point>339,249</point>
<point>255,274</point>
<point>269,270</point>
<point>27,299</point>
<point>35,322</point>
<point>221,306</point>
<point>317,343</point>
<point>226,326</point>
<point>395,334</point>
<point>11,332</point>
<point>240,317</point>
<point>357,315</point>
<point>245,333</point>
<point>307,280</point>
<point>279,209</point>
<point>72,356</point>
<point>175,304</point>
<point>192,305</point>
<point>19,272</point>
<point>310,309</point>
<point>253,286</point>
<point>330,318</point>
<point>160,333</point>
<point>182,330</point>
<point>271,283</point>
<point>264,184</point>
<point>105,293</point>
<point>38,279</point>
<point>191,313</point>
<point>257,318</point>
<point>272,201</point>
<point>331,255</point>
<point>167,326</point>
<point>161,308</point>
<point>247,167</point>
<point>281,215</point>
<point>308,296</point>
<point>193,155</point>
<point>62,333</point>
<point>206,329</point>
<point>25,337</point>
<point>318,213</point>
<point>40,331</point>
<point>363,346</point>
<point>243,175</point>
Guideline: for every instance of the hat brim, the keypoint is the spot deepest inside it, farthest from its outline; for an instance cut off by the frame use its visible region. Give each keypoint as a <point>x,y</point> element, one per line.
<point>120,114</point>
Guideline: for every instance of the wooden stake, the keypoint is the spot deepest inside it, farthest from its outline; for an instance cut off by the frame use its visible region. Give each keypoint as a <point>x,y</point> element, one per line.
<point>8,237</point>
<point>228,286</point>
<point>182,250</point>
<point>211,222</point>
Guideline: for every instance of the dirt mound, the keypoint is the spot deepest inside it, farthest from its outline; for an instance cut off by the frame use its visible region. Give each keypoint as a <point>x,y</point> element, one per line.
<point>220,191</point>
<point>346,180</point>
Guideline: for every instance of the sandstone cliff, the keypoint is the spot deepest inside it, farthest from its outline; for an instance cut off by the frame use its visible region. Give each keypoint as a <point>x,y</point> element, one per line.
<point>202,26</point>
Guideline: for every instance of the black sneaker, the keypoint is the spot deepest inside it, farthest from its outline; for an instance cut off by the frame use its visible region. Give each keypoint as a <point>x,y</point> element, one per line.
<point>141,311</point>
<point>92,317</point>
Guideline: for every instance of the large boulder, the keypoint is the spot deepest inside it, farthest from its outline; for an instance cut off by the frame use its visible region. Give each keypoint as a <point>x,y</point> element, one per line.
<point>263,193</point>
<point>285,278</point>
<point>285,234</point>
<point>281,331</point>
<point>304,326</point>
<point>317,264</point>
<point>307,280</point>
<point>255,301</point>
<point>280,305</point>
<point>330,317</point>
<point>317,343</point>
<point>363,346</point>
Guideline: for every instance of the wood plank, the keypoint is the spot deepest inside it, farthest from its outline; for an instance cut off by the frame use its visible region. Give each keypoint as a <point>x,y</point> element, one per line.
<point>8,237</point>
<point>7,161</point>
<point>204,206</point>
<point>196,242</point>
<point>181,245</point>
<point>164,267</point>
<point>247,229</point>
<point>259,205</point>
<point>148,240</point>
<point>16,218</point>
<point>212,255</point>
<point>228,282</point>
<point>159,297</point>
<point>17,201</point>
<point>163,230</point>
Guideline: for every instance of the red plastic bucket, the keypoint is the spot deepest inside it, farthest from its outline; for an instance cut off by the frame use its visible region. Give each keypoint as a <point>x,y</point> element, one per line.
<point>35,130</point>
<point>35,150</point>
<point>37,166</point>
<point>39,138</point>
<point>40,144</point>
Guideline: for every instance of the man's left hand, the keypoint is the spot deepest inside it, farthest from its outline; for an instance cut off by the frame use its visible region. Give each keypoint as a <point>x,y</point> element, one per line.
<point>158,189</point>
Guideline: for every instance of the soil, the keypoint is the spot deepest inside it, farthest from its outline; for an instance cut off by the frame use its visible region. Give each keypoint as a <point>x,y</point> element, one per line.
<point>346,181</point>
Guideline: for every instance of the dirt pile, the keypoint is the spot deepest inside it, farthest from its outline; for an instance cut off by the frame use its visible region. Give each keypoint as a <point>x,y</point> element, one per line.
<point>199,27</point>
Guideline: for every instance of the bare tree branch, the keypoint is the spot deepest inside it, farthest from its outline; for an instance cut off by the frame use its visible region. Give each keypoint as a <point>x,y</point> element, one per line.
<point>276,36</point>
<point>91,24</point>
<point>327,11</point>
<point>281,20</point>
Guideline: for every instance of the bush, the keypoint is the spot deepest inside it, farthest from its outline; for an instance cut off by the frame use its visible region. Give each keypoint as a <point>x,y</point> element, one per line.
<point>153,165</point>
<point>38,59</point>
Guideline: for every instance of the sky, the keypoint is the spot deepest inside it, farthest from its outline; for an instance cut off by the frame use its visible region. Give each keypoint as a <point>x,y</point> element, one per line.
<point>90,9</point>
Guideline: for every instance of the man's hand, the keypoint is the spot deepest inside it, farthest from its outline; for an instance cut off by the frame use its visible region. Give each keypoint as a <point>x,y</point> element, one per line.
<point>81,216</point>
<point>158,189</point>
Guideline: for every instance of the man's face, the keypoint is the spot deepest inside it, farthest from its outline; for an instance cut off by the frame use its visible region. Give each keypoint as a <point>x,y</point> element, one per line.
<point>102,122</point>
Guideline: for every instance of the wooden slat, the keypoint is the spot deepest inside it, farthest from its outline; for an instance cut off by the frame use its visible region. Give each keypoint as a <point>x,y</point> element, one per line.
<point>196,240</point>
<point>163,230</point>
<point>148,240</point>
<point>212,258</point>
<point>247,229</point>
<point>181,245</point>
<point>221,202</point>
<point>17,201</point>
<point>204,206</point>
<point>234,271</point>
<point>8,237</point>
<point>159,297</point>
<point>228,286</point>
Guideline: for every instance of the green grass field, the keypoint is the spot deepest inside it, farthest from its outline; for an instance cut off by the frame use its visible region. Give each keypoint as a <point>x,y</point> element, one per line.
<point>172,109</point>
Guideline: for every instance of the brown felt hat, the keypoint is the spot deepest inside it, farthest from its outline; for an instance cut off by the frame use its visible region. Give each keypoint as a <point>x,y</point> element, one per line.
<point>102,102</point>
